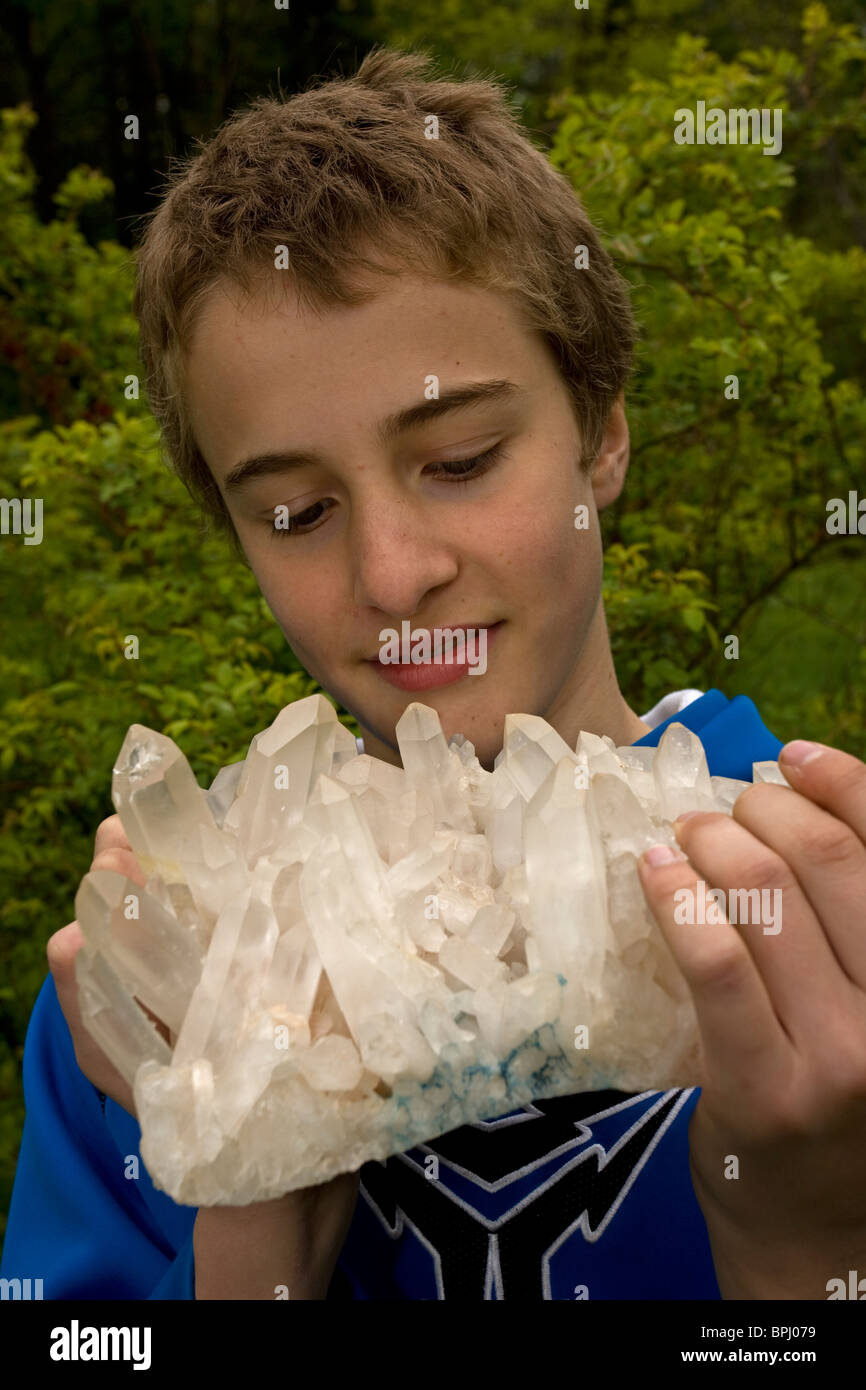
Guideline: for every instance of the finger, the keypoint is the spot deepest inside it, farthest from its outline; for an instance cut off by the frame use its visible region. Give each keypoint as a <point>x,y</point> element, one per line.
<point>61,950</point>
<point>110,834</point>
<point>740,1031</point>
<point>773,918</point>
<point>829,777</point>
<point>124,862</point>
<point>120,861</point>
<point>828,859</point>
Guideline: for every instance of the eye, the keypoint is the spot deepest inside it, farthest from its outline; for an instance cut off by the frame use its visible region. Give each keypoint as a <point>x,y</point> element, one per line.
<point>464,470</point>
<point>297,524</point>
<point>453,470</point>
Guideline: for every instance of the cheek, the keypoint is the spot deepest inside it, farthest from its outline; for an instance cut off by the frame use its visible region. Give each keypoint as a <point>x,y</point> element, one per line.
<point>304,611</point>
<point>555,564</point>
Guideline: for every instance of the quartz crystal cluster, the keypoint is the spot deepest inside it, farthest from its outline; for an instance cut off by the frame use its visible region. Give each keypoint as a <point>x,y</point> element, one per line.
<point>350,958</point>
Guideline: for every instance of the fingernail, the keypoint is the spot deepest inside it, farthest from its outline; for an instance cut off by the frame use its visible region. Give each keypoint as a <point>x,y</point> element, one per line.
<point>659,854</point>
<point>801,752</point>
<point>686,815</point>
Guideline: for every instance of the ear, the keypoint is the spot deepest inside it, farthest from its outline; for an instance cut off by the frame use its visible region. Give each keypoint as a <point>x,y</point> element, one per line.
<point>608,472</point>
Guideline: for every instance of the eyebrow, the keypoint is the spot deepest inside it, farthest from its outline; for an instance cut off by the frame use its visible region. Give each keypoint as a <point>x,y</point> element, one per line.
<point>413,417</point>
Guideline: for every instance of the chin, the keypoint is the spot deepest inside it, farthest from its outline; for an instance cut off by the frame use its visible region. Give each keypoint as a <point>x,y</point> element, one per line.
<point>486,762</point>
<point>487,741</point>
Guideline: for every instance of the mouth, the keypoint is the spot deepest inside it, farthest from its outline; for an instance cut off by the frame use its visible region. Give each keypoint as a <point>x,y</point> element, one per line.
<point>434,673</point>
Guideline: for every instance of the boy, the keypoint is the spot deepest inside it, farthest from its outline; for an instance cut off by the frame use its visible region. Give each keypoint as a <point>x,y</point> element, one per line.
<point>376,362</point>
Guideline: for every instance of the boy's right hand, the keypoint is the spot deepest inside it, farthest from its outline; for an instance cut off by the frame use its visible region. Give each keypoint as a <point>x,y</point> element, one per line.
<point>240,1252</point>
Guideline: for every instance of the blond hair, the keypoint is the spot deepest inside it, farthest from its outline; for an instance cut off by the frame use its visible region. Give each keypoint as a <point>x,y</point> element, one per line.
<point>345,166</point>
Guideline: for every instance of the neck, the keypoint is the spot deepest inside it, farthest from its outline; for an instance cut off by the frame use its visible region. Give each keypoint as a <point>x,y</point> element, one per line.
<point>591,700</point>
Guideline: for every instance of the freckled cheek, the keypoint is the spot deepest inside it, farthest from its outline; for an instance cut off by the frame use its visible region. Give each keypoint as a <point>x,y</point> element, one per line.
<point>307,616</point>
<point>547,557</point>
<point>272,582</point>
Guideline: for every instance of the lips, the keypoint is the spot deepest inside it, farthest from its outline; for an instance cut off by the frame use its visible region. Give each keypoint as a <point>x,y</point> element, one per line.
<point>423,676</point>
<point>440,627</point>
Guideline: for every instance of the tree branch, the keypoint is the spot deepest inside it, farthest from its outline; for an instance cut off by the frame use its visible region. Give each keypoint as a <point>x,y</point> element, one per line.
<point>774,583</point>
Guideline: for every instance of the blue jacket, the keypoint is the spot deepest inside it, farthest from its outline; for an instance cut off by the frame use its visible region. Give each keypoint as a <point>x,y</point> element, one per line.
<point>583,1196</point>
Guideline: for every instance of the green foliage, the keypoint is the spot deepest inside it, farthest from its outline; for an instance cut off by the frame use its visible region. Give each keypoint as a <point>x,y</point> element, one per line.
<point>66,326</point>
<point>548,49</point>
<point>733,490</point>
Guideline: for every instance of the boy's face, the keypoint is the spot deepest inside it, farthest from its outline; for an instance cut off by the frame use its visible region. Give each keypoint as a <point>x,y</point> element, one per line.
<point>384,534</point>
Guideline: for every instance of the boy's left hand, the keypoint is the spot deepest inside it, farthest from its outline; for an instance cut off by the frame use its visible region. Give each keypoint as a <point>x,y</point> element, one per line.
<point>782,1017</point>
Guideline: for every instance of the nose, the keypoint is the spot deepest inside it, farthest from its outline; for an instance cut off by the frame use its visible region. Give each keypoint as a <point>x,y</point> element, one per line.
<point>400,550</point>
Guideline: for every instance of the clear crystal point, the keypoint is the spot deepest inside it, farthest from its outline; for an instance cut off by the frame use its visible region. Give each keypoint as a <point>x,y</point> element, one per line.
<point>159,801</point>
<point>281,769</point>
<point>531,750</point>
<point>429,766</point>
<point>769,772</point>
<point>681,773</point>
<point>565,877</point>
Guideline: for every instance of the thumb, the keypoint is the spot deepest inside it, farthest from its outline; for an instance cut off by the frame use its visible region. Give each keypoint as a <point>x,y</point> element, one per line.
<point>61,950</point>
